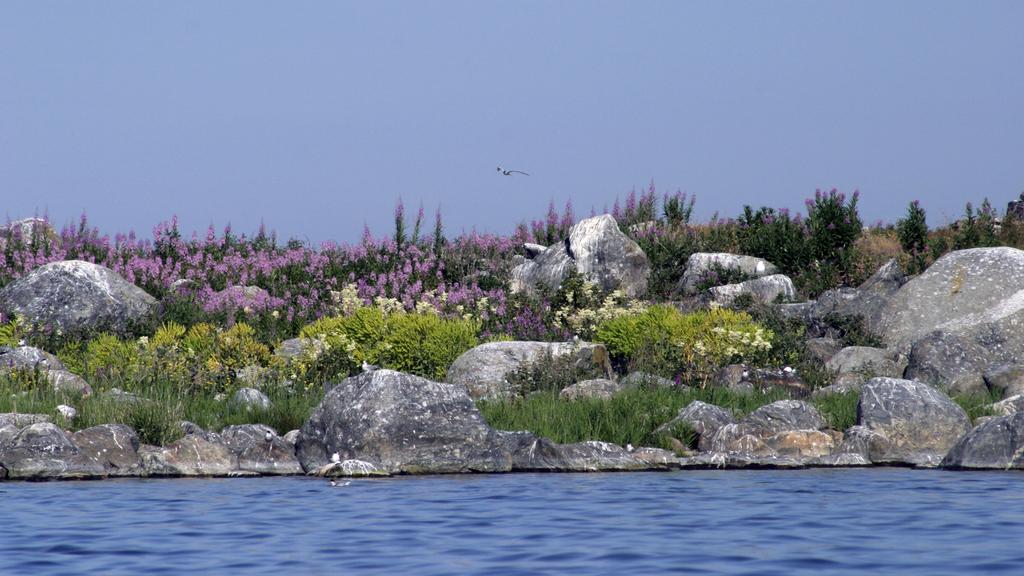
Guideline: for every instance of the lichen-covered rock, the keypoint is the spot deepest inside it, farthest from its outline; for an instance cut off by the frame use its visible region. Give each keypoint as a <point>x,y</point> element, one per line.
<point>404,424</point>
<point>193,455</point>
<point>113,446</point>
<point>255,453</point>
<point>1008,406</point>
<point>868,301</point>
<point>801,444</point>
<point>602,388</point>
<point>595,248</point>
<point>750,433</point>
<point>484,370</point>
<point>701,267</point>
<point>864,359</point>
<point>20,420</point>
<point>912,422</point>
<point>77,296</point>
<point>949,362</point>
<point>43,451</point>
<point>765,290</point>
<point>28,357</point>
<point>250,399</point>
<point>64,381</point>
<point>998,443</point>
<point>1006,379</point>
<point>820,350</point>
<point>703,418</point>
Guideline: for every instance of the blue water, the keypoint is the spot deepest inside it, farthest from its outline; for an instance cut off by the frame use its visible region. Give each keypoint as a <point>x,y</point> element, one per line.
<point>871,521</point>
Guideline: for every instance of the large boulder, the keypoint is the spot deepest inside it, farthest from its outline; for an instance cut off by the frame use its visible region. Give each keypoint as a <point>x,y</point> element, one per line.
<point>29,358</point>
<point>596,249</point>
<point>601,388</point>
<point>484,370</point>
<point>913,423</point>
<point>43,451</point>
<point>784,424</point>
<point>704,267</point>
<point>867,301</point>
<point>966,293</point>
<point>114,446</point>
<point>997,443</point>
<point>77,296</point>
<point>403,424</point>
<point>864,360</point>
<point>764,290</point>
<point>1006,379</point>
<point>952,363</point>
<point>254,453</point>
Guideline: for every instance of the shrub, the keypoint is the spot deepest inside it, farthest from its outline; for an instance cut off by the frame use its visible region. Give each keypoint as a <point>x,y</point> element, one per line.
<point>913,234</point>
<point>549,374</point>
<point>776,237</point>
<point>976,230</point>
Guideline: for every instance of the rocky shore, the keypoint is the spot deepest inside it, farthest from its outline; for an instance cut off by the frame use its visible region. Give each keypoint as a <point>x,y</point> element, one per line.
<point>955,328</point>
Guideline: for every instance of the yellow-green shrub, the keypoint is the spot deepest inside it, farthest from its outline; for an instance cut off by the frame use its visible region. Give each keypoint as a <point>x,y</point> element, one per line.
<point>662,339</point>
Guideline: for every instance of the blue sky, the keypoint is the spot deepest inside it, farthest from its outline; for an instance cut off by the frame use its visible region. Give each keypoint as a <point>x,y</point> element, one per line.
<point>315,117</point>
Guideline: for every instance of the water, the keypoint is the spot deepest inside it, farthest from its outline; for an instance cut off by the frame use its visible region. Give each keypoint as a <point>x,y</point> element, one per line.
<point>871,521</point>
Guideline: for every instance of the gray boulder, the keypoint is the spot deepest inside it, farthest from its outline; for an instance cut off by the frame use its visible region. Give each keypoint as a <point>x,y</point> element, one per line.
<point>596,249</point>
<point>296,347</point>
<point>701,267</point>
<point>602,388</point>
<point>755,433</point>
<point>404,424</point>
<point>949,362</point>
<point>64,381</point>
<point>114,446</point>
<point>842,384</point>
<point>254,453</point>
<point>484,370</point>
<point>765,290</point>
<point>193,455</point>
<point>28,358</point>
<point>7,433</point>
<point>821,350</point>
<point>43,451</point>
<point>997,443</point>
<point>1008,406</point>
<point>20,420</point>
<point>703,418</point>
<point>77,296</point>
<point>961,293</point>
<point>865,360</point>
<point>1006,379</point>
<point>250,399</point>
<point>913,422</point>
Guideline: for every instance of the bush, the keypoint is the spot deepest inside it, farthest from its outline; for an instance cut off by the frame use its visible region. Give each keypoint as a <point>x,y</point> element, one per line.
<point>913,234</point>
<point>665,341</point>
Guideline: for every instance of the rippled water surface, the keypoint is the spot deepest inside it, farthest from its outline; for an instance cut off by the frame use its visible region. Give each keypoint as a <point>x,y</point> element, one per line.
<point>873,521</point>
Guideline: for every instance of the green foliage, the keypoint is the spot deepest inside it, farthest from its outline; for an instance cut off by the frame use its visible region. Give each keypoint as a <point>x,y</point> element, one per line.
<point>977,230</point>
<point>913,234</point>
<point>549,374</point>
<point>840,410</point>
<point>9,333</point>
<point>776,237</point>
<point>424,344</point>
<point>718,275</point>
<point>665,341</point>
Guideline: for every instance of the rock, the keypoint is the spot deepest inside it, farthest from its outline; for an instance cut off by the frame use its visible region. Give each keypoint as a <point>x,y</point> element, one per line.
<point>64,381</point>
<point>1015,209</point>
<point>948,362</point>
<point>404,424</point>
<point>29,358</point>
<point>996,444</point>
<point>250,376</point>
<point>181,286</point>
<point>864,360</point>
<point>1009,406</point>
<point>291,437</point>
<point>701,266</point>
<point>27,228</point>
<point>351,468</point>
<point>250,399</point>
<point>248,442</point>
<point>76,296</point>
<point>533,250</point>
<point>596,249</point>
<point>962,290</point>
<point>19,420</point>
<point>801,444</point>
<point>296,347</point>
<point>43,451</point>
<point>704,419</point>
<point>484,369</point>
<point>114,446</point>
<point>597,388</point>
<point>121,397</point>
<point>765,290</point>
<point>821,350</point>
<point>7,433</point>
<point>913,422</point>
<point>729,376</point>
<point>749,435</point>
<point>67,412</point>
<point>193,455</point>
<point>657,457</point>
<point>843,384</point>
<point>648,381</point>
<point>1006,379</point>
<point>740,460</point>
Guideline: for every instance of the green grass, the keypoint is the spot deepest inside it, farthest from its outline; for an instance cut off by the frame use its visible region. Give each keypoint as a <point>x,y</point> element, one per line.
<point>156,419</point>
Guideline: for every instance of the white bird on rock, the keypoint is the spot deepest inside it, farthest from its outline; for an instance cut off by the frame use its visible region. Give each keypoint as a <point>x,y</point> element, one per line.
<point>269,437</point>
<point>336,458</point>
<point>367,367</point>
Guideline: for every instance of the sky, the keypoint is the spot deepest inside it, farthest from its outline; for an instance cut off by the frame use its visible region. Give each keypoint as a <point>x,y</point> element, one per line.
<point>316,117</point>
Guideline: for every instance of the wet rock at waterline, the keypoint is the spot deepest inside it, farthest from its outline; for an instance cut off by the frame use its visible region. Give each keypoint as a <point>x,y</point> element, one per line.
<point>114,446</point>
<point>43,451</point>
<point>255,453</point>
<point>912,422</point>
<point>997,443</point>
<point>193,455</point>
<point>700,417</point>
<point>77,296</point>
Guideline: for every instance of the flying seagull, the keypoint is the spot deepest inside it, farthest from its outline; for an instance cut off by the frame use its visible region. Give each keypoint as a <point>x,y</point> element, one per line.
<point>505,172</point>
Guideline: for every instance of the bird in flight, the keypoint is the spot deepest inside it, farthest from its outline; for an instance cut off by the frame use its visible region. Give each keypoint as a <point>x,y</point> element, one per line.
<point>505,172</point>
